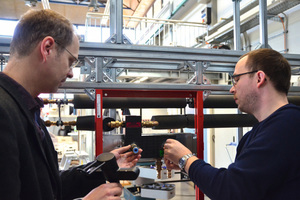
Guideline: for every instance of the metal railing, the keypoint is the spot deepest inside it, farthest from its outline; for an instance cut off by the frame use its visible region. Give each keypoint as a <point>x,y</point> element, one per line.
<point>146,31</point>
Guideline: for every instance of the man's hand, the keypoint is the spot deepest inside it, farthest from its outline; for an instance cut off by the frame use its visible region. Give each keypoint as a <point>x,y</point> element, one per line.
<point>108,191</point>
<point>125,158</point>
<point>173,151</point>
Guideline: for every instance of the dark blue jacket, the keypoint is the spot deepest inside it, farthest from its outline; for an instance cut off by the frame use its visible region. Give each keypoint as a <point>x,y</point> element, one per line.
<point>267,164</point>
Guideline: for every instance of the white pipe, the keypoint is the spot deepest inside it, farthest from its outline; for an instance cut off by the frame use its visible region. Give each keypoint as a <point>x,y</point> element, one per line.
<point>46,4</point>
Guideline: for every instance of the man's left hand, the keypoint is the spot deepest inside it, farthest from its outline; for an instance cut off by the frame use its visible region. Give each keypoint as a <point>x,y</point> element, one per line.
<point>126,158</point>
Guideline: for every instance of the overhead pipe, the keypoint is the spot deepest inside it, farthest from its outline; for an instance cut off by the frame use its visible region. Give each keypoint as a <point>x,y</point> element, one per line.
<point>212,101</point>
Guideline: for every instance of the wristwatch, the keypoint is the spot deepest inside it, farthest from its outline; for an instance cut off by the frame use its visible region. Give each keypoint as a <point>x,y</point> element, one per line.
<point>183,160</point>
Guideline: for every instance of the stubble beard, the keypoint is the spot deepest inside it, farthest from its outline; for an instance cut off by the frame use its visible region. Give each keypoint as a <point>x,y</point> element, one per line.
<point>249,103</point>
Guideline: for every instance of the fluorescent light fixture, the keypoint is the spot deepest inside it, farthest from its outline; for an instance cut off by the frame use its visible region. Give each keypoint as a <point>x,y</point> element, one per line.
<point>31,3</point>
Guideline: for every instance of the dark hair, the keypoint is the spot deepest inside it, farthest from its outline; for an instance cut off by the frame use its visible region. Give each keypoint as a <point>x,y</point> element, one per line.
<point>273,64</point>
<point>35,25</point>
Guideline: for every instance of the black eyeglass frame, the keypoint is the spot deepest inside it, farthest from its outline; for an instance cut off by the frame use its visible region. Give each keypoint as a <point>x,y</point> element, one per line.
<point>234,82</point>
<point>76,62</point>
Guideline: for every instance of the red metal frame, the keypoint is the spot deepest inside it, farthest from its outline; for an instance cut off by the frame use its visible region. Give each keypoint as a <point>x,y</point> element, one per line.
<point>199,117</point>
<point>198,99</point>
<point>99,121</point>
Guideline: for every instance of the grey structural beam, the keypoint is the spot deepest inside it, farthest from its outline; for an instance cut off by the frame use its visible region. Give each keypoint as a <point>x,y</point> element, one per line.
<point>153,54</point>
<point>132,86</point>
<point>149,86</point>
<point>195,58</point>
<point>237,22</point>
<point>116,21</point>
<point>158,53</point>
<point>263,23</point>
<point>237,44</point>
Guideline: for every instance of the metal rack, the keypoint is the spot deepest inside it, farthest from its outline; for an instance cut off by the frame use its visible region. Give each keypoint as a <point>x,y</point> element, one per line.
<point>198,104</point>
<point>118,57</point>
<point>114,58</point>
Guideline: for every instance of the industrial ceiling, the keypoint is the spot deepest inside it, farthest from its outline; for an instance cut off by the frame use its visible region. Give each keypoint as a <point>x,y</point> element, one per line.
<point>74,10</point>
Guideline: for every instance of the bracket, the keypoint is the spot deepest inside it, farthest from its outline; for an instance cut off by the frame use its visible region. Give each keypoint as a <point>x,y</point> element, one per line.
<point>113,39</point>
<point>199,68</point>
<point>90,93</point>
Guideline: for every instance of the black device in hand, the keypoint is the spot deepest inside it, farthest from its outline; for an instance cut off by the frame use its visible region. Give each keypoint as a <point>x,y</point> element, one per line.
<point>108,164</point>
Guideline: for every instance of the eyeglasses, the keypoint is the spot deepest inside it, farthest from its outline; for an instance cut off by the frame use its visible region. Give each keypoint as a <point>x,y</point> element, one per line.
<point>76,62</point>
<point>235,78</point>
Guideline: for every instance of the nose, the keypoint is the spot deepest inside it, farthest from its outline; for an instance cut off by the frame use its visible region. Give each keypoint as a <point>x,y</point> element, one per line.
<point>232,90</point>
<point>70,73</point>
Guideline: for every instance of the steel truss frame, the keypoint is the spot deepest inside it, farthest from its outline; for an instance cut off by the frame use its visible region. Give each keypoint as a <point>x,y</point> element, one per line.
<point>118,57</point>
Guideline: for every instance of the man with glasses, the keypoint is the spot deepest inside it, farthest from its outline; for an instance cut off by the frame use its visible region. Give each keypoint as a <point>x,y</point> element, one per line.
<point>267,163</point>
<point>43,51</point>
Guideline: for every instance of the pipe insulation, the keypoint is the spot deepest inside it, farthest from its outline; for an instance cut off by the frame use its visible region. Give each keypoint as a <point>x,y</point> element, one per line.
<point>178,121</point>
<point>83,101</point>
<point>86,123</point>
<point>219,101</point>
<point>227,101</point>
<point>210,121</point>
<point>213,101</point>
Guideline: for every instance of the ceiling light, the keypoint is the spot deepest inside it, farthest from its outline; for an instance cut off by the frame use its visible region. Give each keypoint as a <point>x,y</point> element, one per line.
<point>31,3</point>
<point>94,6</point>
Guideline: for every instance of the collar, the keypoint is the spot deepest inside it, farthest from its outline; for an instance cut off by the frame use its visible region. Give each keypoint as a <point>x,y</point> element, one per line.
<point>33,104</point>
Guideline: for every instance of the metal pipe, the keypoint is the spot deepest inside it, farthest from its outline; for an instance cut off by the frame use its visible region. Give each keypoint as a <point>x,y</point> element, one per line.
<point>116,20</point>
<point>263,23</point>
<point>237,45</point>
<point>237,28</point>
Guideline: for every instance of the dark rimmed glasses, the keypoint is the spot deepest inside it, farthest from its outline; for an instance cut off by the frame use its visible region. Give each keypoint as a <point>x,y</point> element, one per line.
<point>76,62</point>
<point>236,77</point>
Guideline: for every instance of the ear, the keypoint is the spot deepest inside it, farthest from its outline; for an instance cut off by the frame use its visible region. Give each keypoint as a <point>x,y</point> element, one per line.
<point>261,78</point>
<point>47,46</point>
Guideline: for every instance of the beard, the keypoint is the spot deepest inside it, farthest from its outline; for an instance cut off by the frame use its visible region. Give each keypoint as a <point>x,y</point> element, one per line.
<point>247,104</point>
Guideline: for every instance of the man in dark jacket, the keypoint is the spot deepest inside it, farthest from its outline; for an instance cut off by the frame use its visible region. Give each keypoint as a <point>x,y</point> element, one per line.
<point>43,51</point>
